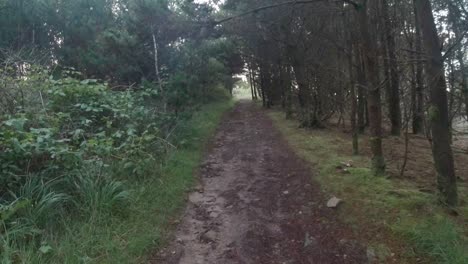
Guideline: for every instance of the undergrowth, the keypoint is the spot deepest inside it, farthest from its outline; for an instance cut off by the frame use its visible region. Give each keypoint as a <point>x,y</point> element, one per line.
<point>154,203</point>
<point>93,175</point>
<point>377,207</point>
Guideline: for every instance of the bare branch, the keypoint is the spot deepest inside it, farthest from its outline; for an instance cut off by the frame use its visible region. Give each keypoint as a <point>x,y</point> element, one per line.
<point>295,2</point>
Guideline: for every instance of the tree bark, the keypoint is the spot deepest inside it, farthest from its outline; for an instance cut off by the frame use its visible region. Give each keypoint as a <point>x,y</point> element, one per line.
<point>354,127</point>
<point>286,77</point>
<point>373,96</point>
<point>263,84</point>
<point>438,111</point>
<point>418,113</point>
<point>303,84</point>
<point>158,75</point>
<point>394,85</point>
<point>251,81</point>
<point>156,63</point>
<point>361,94</point>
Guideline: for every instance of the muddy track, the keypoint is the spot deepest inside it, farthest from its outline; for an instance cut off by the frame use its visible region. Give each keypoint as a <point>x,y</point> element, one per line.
<point>257,203</point>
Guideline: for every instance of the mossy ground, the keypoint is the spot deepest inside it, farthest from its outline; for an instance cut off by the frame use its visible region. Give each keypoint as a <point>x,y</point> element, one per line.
<point>397,220</point>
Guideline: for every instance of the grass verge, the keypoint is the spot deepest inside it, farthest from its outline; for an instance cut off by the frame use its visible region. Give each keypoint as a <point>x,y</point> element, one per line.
<point>400,223</point>
<point>146,222</point>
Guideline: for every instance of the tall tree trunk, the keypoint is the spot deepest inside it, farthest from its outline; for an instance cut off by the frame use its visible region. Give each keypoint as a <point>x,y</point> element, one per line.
<point>361,94</point>
<point>263,84</point>
<point>418,114</point>
<point>304,94</point>
<point>373,96</point>
<point>286,76</point>
<point>414,100</point>
<point>451,98</point>
<point>354,127</point>
<point>394,91</point>
<point>251,81</point>
<point>156,69</point>
<point>464,79</point>
<point>156,63</point>
<point>255,85</point>
<point>438,111</point>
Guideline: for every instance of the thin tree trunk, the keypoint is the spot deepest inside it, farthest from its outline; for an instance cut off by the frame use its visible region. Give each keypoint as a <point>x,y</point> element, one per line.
<point>354,127</point>
<point>156,69</point>
<point>156,63</point>
<point>361,83</point>
<point>464,80</point>
<point>251,81</point>
<point>394,91</point>
<point>373,96</point>
<point>304,93</point>
<point>418,114</point>
<point>288,93</point>
<point>263,85</point>
<point>438,111</point>
<point>255,85</point>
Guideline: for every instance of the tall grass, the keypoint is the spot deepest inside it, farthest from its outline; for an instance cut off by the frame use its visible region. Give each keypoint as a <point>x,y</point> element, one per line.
<point>95,192</point>
<point>438,237</point>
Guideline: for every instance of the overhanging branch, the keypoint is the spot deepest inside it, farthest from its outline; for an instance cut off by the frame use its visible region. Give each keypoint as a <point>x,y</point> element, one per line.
<point>354,4</point>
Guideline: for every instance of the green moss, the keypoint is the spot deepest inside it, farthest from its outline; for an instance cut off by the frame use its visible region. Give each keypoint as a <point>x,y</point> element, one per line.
<point>433,113</point>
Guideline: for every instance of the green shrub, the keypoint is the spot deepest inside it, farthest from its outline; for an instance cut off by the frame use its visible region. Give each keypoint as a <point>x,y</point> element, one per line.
<point>76,151</point>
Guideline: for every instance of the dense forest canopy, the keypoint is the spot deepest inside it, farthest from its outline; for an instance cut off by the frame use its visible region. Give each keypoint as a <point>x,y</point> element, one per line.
<point>92,84</point>
<point>106,39</point>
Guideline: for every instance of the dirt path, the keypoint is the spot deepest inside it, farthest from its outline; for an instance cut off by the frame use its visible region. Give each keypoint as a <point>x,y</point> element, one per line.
<point>256,203</point>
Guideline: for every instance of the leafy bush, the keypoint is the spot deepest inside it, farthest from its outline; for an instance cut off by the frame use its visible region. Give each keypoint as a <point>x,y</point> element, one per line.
<point>72,153</point>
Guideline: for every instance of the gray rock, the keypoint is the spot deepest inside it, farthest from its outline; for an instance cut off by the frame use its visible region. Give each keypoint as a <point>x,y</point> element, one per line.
<point>209,236</point>
<point>333,202</point>
<point>214,214</point>
<point>309,240</point>
<point>371,255</point>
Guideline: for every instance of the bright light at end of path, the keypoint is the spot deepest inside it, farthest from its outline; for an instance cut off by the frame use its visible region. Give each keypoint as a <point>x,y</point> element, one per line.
<point>211,2</point>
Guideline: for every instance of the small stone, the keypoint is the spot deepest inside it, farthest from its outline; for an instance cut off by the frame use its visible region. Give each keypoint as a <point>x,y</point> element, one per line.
<point>208,236</point>
<point>214,214</point>
<point>286,192</point>
<point>333,202</point>
<point>371,256</point>
<point>309,240</point>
